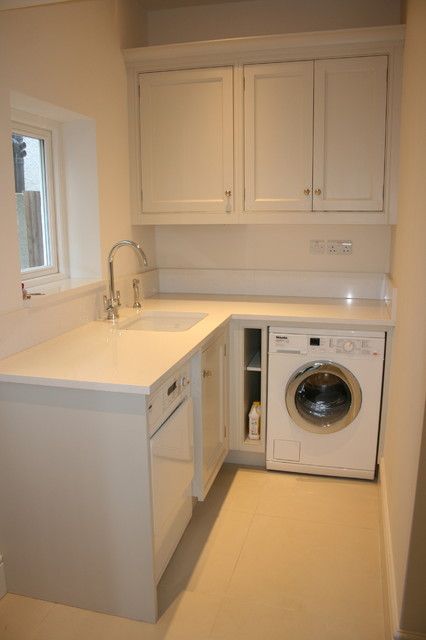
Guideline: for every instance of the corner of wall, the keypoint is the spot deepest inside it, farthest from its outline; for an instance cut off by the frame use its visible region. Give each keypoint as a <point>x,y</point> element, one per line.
<point>389,582</point>
<point>3,589</point>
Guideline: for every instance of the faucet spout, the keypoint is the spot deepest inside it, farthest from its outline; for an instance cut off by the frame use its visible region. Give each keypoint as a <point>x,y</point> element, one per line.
<point>113,302</point>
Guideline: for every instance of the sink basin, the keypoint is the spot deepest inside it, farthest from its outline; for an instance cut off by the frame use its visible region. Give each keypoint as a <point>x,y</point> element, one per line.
<point>163,321</point>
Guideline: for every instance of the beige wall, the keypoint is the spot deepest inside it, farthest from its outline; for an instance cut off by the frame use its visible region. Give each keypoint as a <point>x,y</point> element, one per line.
<point>271,247</point>
<point>261,17</point>
<point>69,55</point>
<point>408,366</point>
<point>413,608</point>
<point>260,246</point>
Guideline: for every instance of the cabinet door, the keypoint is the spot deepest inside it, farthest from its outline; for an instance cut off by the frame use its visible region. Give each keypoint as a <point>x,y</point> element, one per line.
<point>187,140</point>
<point>214,406</point>
<point>278,105</point>
<point>349,138</point>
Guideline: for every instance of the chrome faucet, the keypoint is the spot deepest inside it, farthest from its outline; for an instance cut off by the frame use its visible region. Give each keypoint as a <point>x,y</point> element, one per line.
<point>112,302</point>
<point>136,294</point>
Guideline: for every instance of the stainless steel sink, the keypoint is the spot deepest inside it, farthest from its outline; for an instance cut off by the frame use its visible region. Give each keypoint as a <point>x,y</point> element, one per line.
<point>163,321</point>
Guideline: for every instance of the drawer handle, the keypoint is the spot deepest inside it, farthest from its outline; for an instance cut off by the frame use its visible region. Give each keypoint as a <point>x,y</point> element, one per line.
<point>207,373</point>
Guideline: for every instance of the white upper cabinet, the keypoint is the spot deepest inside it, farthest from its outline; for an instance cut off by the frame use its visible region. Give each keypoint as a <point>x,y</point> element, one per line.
<point>278,113</point>
<point>187,141</point>
<point>349,134</point>
<point>315,135</point>
<point>292,128</point>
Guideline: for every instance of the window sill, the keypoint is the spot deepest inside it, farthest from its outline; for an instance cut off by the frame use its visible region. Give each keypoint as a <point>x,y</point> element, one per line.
<point>60,290</point>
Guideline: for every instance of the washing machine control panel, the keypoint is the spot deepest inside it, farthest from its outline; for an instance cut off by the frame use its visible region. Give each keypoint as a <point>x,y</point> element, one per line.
<point>325,345</point>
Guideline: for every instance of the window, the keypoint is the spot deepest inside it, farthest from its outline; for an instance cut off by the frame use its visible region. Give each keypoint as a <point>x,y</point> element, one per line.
<point>35,201</point>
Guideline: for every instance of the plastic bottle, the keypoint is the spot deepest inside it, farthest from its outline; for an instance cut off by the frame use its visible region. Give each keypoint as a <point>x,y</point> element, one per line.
<point>254,421</point>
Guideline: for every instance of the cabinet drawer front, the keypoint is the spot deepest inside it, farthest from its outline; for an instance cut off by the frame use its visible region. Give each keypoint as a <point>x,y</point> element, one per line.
<point>278,107</point>
<point>349,138</point>
<point>187,140</point>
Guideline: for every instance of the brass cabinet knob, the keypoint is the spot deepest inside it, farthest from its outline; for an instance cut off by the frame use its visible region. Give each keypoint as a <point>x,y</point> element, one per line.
<point>307,191</point>
<point>207,373</point>
<point>317,192</point>
<point>228,193</point>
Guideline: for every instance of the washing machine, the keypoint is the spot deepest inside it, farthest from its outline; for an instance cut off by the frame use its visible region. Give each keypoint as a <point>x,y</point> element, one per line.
<point>324,399</point>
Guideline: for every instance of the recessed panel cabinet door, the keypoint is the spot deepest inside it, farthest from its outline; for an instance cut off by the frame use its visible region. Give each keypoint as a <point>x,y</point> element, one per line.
<point>187,140</point>
<point>214,406</point>
<point>349,138</point>
<point>278,108</point>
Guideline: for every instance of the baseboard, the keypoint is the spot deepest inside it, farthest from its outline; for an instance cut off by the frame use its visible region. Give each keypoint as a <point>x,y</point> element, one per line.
<point>407,635</point>
<point>386,535</point>
<point>3,589</point>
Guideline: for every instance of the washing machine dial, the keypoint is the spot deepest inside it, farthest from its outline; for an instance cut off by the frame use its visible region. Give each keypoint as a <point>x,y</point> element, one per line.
<point>348,346</point>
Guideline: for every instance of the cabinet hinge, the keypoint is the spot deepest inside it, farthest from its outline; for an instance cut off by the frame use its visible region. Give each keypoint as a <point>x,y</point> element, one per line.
<point>224,350</point>
<point>139,91</point>
<point>141,196</point>
<point>244,83</point>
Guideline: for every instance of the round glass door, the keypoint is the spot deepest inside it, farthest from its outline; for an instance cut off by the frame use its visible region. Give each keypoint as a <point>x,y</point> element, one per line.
<point>323,397</point>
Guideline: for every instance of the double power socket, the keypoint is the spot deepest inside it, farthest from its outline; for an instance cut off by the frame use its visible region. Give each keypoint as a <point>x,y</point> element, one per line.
<point>331,247</point>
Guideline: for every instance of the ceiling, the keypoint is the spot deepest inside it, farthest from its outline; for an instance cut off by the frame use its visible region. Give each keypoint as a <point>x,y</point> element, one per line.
<point>153,5</point>
<point>18,4</point>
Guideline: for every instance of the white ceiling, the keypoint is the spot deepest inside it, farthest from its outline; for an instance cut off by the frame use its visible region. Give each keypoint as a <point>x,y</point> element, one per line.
<point>151,5</point>
<point>18,4</point>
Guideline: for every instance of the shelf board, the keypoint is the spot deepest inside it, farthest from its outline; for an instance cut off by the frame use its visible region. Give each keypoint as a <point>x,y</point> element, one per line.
<point>254,364</point>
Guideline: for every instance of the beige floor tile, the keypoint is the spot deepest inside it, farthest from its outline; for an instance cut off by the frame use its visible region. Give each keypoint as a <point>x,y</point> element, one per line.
<point>240,619</point>
<point>320,499</point>
<point>69,623</point>
<point>190,617</point>
<point>251,619</point>
<point>325,568</point>
<point>206,557</point>
<point>20,616</point>
<point>267,555</point>
<point>237,488</point>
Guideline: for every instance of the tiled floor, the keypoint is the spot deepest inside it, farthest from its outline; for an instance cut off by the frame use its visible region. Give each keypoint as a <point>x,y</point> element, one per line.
<point>268,556</point>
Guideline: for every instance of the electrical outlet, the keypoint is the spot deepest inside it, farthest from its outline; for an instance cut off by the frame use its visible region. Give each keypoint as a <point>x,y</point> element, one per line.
<point>339,247</point>
<point>317,246</point>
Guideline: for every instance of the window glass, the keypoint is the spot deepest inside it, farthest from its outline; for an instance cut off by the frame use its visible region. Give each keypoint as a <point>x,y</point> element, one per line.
<point>33,192</point>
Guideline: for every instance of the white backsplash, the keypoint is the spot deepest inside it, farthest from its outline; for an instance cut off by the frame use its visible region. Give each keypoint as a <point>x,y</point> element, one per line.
<point>322,284</point>
<point>64,308</point>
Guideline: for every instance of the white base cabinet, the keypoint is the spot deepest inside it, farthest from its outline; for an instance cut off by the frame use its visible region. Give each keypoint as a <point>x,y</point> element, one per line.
<point>76,521</point>
<point>211,412</point>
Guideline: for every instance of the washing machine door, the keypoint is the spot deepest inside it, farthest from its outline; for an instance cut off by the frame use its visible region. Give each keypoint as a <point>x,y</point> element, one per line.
<point>323,397</point>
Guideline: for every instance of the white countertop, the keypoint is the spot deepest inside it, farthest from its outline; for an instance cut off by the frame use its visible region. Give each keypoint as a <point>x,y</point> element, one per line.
<point>101,356</point>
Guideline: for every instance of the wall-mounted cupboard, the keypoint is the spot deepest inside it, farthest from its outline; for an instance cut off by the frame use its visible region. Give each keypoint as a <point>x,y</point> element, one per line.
<point>315,135</point>
<point>257,130</point>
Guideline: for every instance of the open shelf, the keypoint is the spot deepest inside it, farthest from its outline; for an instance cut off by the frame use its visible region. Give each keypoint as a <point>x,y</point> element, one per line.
<point>252,378</point>
<point>254,364</point>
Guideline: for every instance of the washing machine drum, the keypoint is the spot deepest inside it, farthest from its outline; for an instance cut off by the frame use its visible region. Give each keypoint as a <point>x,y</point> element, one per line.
<point>323,397</point>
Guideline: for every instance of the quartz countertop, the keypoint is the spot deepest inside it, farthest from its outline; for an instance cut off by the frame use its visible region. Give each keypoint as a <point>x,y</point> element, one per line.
<point>103,356</point>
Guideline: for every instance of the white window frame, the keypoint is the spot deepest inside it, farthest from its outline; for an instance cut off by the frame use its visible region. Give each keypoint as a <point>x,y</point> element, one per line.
<point>49,131</point>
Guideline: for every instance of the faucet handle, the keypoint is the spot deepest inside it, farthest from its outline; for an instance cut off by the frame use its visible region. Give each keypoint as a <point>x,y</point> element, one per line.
<point>136,294</point>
